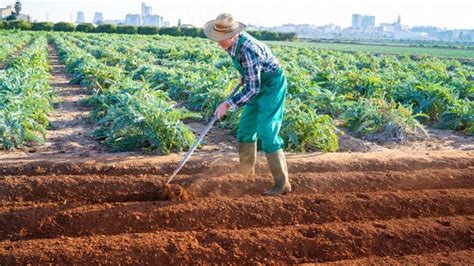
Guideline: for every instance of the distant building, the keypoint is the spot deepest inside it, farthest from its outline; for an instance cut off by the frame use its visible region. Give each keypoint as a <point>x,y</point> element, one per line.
<point>457,35</point>
<point>411,35</point>
<point>153,20</point>
<point>329,28</point>
<point>6,11</point>
<point>363,22</point>
<point>133,20</point>
<point>356,21</point>
<point>428,29</point>
<point>389,27</point>
<point>9,10</point>
<point>148,19</point>
<point>146,10</point>
<point>368,22</point>
<point>98,18</point>
<point>393,27</point>
<point>166,23</point>
<point>80,17</point>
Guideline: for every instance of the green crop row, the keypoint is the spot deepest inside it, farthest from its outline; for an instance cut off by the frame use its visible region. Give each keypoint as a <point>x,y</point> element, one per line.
<point>130,116</point>
<point>10,43</point>
<point>25,97</point>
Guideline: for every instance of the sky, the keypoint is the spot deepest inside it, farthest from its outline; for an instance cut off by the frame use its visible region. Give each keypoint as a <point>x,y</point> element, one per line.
<point>450,14</point>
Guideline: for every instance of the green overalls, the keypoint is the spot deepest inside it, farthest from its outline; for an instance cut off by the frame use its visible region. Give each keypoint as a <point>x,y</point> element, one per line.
<point>263,114</point>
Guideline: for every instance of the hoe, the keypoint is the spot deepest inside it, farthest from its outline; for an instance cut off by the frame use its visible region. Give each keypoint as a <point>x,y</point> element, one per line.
<point>175,192</point>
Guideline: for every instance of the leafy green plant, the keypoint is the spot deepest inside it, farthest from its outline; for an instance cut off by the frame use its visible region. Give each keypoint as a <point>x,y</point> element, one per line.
<point>459,116</point>
<point>427,98</point>
<point>390,121</point>
<point>304,130</point>
<point>11,42</point>
<point>145,119</point>
<point>25,97</point>
<point>324,101</point>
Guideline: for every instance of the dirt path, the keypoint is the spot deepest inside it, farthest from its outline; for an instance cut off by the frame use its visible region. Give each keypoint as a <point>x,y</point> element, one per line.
<point>70,127</point>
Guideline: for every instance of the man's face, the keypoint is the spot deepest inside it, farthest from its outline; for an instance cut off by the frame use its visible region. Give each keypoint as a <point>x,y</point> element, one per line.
<point>225,44</point>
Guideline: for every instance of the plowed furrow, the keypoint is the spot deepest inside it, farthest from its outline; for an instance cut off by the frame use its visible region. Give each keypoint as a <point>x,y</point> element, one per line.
<point>96,189</point>
<point>92,189</point>
<point>333,182</point>
<point>55,220</point>
<point>222,164</point>
<point>288,244</point>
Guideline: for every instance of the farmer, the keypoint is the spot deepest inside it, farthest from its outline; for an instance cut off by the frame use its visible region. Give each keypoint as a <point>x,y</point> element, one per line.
<point>262,97</point>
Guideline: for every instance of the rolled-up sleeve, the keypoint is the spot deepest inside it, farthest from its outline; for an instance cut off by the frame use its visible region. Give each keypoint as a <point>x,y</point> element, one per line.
<point>252,68</point>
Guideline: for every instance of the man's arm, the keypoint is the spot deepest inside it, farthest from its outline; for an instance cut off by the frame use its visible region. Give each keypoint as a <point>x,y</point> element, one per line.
<point>252,67</point>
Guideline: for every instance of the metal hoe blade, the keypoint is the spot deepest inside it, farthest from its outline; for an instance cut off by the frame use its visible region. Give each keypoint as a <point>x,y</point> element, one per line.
<point>201,137</point>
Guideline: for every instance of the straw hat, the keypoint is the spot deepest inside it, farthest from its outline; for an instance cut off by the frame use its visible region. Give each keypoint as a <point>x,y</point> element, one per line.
<point>223,27</point>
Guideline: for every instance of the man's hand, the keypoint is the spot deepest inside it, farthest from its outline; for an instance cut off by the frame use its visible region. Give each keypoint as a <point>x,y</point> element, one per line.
<point>221,110</point>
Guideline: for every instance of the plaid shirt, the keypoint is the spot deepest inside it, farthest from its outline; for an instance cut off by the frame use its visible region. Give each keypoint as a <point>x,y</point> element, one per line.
<point>254,58</point>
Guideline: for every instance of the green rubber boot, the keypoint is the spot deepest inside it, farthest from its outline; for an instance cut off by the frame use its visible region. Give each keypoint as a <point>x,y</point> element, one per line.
<point>279,169</point>
<point>247,157</point>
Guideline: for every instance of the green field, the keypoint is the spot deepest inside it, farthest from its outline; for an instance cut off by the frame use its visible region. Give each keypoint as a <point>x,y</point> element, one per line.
<point>385,49</point>
<point>136,82</point>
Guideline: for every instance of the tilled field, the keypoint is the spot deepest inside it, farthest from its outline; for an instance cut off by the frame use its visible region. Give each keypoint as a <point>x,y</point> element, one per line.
<point>354,215</point>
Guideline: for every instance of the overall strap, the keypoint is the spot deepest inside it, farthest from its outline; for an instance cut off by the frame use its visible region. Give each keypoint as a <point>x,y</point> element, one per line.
<point>235,60</point>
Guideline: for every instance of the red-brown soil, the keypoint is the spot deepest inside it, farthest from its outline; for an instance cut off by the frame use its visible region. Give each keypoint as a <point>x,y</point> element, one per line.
<point>357,214</point>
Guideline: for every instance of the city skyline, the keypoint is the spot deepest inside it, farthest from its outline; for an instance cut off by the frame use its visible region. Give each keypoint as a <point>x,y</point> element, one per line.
<point>455,14</point>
